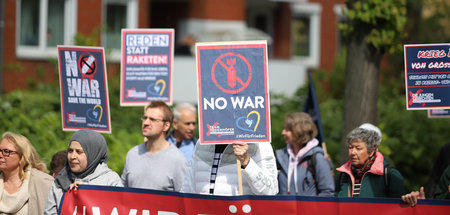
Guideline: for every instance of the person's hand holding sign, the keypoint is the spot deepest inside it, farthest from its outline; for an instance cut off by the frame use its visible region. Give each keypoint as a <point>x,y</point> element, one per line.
<point>241,152</point>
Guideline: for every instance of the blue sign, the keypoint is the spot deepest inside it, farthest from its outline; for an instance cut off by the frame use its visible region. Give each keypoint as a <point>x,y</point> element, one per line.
<point>83,89</point>
<point>427,68</point>
<point>233,92</point>
<point>439,113</point>
<point>146,67</point>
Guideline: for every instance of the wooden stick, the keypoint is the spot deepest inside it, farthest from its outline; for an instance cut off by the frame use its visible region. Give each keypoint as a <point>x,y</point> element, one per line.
<point>324,147</point>
<point>238,164</point>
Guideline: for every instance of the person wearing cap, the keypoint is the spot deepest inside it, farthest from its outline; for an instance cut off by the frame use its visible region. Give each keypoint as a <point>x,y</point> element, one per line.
<point>87,155</point>
<point>367,173</point>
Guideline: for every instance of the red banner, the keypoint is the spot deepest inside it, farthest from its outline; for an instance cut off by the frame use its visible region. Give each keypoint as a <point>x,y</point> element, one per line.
<point>96,200</point>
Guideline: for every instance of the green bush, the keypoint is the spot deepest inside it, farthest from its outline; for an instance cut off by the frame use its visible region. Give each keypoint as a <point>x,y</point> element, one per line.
<point>36,115</point>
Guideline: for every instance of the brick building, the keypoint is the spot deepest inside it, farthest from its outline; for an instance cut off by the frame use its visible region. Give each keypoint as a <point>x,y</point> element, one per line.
<point>301,34</point>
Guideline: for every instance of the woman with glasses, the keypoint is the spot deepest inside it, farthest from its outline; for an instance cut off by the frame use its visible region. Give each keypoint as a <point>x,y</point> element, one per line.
<point>86,164</point>
<point>24,181</point>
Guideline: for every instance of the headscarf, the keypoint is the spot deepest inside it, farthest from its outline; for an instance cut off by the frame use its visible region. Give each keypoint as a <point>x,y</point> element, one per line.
<point>96,150</point>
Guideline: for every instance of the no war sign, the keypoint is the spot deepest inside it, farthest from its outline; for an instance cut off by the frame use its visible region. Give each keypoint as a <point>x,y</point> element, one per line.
<point>233,94</point>
<point>83,89</point>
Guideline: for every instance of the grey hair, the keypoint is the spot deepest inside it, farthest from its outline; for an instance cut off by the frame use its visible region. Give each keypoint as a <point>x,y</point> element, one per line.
<point>180,107</point>
<point>369,137</point>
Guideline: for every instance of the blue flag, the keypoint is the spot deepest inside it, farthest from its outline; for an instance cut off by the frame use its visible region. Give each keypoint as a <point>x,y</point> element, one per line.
<point>311,107</point>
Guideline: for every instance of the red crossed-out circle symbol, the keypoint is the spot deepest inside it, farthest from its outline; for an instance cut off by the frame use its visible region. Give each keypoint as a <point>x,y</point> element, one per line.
<point>87,65</point>
<point>232,78</point>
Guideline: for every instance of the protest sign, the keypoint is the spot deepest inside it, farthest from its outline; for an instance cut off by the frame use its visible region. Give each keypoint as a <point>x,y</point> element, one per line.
<point>439,113</point>
<point>233,92</point>
<point>146,66</point>
<point>427,76</point>
<point>96,200</point>
<point>83,88</point>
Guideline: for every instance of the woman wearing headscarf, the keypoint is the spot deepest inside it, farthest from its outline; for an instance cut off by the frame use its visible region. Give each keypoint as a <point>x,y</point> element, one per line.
<point>86,164</point>
<point>24,181</point>
<point>303,151</point>
<point>367,173</point>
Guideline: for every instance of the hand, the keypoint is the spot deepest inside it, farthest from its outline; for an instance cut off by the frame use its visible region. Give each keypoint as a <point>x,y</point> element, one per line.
<point>74,185</point>
<point>411,198</point>
<point>240,150</point>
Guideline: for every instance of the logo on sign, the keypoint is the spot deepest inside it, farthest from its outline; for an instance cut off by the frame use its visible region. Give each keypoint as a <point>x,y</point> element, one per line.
<point>132,93</point>
<point>157,88</point>
<point>235,68</point>
<point>249,123</point>
<point>218,131</point>
<point>422,98</point>
<point>87,65</point>
<point>95,114</point>
<point>72,117</point>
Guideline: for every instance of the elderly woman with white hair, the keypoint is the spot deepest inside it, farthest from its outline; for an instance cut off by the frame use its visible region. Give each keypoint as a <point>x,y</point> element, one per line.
<point>367,173</point>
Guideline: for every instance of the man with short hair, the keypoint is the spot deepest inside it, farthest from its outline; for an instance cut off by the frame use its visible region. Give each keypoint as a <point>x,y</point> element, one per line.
<point>155,164</point>
<point>184,124</point>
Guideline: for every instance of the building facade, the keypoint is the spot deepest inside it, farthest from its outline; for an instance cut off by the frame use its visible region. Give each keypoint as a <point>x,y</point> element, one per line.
<point>301,34</point>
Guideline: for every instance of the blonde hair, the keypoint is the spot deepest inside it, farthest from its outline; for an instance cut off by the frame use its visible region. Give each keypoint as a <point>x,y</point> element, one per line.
<point>28,155</point>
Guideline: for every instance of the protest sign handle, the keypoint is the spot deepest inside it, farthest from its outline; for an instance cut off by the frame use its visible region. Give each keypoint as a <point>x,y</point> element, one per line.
<point>324,147</point>
<point>238,165</point>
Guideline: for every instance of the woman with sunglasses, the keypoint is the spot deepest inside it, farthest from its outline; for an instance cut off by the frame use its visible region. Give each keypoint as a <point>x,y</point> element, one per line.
<point>24,181</point>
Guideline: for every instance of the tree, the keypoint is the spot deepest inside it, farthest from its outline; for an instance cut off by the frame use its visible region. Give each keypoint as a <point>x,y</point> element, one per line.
<point>372,28</point>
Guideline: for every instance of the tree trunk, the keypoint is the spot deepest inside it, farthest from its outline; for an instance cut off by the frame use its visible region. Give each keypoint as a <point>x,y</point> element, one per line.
<point>361,87</point>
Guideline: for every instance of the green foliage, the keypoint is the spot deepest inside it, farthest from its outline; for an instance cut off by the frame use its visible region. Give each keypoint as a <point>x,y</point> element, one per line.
<point>411,140</point>
<point>382,20</point>
<point>36,115</point>
<point>279,107</point>
<point>89,40</point>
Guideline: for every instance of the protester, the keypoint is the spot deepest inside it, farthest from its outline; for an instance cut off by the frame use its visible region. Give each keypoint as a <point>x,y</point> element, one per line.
<point>24,181</point>
<point>155,163</point>
<point>87,155</point>
<point>184,124</point>
<point>441,163</point>
<point>442,190</point>
<point>213,170</point>
<point>58,162</point>
<point>367,173</point>
<point>304,170</point>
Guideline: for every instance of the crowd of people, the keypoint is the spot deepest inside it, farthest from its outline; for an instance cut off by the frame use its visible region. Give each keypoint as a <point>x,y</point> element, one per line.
<point>172,159</point>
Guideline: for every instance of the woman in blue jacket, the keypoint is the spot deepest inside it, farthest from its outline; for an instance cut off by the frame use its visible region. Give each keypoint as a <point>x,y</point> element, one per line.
<point>303,169</point>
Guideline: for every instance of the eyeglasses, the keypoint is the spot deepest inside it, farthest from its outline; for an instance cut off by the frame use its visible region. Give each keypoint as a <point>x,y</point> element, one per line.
<point>7,152</point>
<point>153,120</point>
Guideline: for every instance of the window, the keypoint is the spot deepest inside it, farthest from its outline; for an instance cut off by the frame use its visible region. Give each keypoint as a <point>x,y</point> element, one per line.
<point>115,20</point>
<point>44,24</point>
<point>306,33</point>
<point>301,36</point>
<point>118,14</point>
